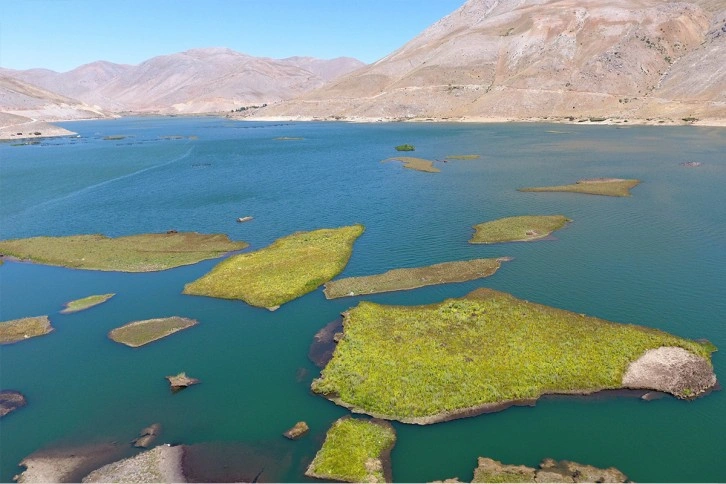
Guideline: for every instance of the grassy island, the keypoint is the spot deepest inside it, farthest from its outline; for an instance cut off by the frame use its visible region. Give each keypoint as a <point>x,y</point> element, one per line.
<point>85,303</point>
<point>418,164</point>
<point>139,333</point>
<point>482,353</point>
<point>405,147</point>
<point>517,229</point>
<point>24,328</point>
<point>133,253</point>
<point>463,157</point>
<point>611,187</point>
<point>355,451</point>
<point>289,268</point>
<point>402,279</point>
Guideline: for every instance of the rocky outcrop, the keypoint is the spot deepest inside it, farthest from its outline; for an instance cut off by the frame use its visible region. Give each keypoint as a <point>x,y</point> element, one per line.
<point>672,370</point>
<point>147,436</point>
<point>181,381</point>
<point>10,400</point>
<point>297,431</point>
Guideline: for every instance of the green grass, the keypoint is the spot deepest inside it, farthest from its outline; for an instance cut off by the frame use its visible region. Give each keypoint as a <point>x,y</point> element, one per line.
<point>418,164</point>
<point>517,229</point>
<point>353,450</point>
<point>422,363</point>
<point>85,303</point>
<point>24,328</point>
<point>405,147</point>
<point>611,187</point>
<point>139,333</point>
<point>411,278</point>
<point>133,253</point>
<point>289,268</point>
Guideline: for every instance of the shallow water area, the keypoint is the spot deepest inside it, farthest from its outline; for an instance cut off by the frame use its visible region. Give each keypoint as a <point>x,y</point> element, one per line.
<point>656,258</point>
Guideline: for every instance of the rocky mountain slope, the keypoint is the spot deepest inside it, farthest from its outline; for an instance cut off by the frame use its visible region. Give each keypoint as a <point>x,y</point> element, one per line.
<point>529,59</point>
<point>195,81</point>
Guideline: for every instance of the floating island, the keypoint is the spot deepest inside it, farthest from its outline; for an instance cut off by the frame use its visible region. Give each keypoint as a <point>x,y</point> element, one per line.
<point>11,400</point>
<point>550,470</point>
<point>181,381</point>
<point>518,229</point>
<point>24,328</point>
<point>289,268</point>
<point>405,147</point>
<point>463,157</point>
<point>133,253</point>
<point>355,450</point>
<point>418,164</point>
<point>489,350</point>
<point>411,278</point>
<point>86,302</point>
<point>611,187</point>
<point>139,333</point>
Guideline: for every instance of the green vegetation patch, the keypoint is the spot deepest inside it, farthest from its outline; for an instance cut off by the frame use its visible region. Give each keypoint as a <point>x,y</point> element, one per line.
<point>463,157</point>
<point>611,187</point>
<point>24,328</point>
<point>133,253</point>
<point>424,364</point>
<point>517,229</point>
<point>418,164</point>
<point>86,302</point>
<point>139,333</point>
<point>287,269</point>
<point>355,451</point>
<point>405,147</point>
<point>401,279</point>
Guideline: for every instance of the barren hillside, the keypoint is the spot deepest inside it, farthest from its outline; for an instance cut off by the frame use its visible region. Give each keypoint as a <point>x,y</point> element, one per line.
<point>521,59</point>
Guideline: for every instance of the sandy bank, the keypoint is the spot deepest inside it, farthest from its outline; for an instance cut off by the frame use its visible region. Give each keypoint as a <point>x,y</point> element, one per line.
<point>160,464</point>
<point>67,465</point>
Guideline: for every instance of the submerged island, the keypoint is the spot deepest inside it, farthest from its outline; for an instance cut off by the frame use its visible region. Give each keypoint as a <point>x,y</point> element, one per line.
<point>550,470</point>
<point>413,163</point>
<point>24,328</point>
<point>518,229</point>
<point>489,350</point>
<point>85,303</point>
<point>132,253</point>
<point>611,187</point>
<point>411,278</point>
<point>139,333</point>
<point>289,268</point>
<point>355,451</point>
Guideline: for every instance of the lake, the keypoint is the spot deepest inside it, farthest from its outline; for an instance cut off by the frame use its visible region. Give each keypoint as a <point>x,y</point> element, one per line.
<point>657,259</point>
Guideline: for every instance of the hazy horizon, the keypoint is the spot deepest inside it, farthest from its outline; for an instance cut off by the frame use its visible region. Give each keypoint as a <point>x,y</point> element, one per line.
<point>64,34</point>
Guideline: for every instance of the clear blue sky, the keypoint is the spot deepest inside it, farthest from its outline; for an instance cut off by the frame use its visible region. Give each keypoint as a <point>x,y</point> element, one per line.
<point>63,34</point>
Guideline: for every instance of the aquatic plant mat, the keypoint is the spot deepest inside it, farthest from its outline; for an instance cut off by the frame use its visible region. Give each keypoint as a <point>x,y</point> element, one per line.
<point>139,333</point>
<point>355,450</point>
<point>418,164</point>
<point>612,187</point>
<point>133,253</point>
<point>483,352</point>
<point>24,328</point>
<point>517,229</point>
<point>287,269</point>
<point>411,278</point>
<point>85,303</point>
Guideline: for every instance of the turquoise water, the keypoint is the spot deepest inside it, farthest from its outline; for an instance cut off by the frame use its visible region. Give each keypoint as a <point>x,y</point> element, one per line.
<point>657,258</point>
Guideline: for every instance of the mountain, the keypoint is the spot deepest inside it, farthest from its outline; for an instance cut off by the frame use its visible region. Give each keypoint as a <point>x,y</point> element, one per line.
<point>194,81</point>
<point>533,59</point>
<point>24,108</point>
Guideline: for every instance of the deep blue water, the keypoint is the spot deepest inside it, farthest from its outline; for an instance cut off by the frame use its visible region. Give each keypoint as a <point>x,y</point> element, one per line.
<point>657,258</point>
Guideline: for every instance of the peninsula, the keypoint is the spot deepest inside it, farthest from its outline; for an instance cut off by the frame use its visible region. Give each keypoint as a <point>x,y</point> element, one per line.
<point>489,350</point>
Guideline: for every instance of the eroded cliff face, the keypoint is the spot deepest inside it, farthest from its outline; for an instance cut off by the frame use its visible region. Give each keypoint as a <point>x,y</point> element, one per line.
<point>543,58</point>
